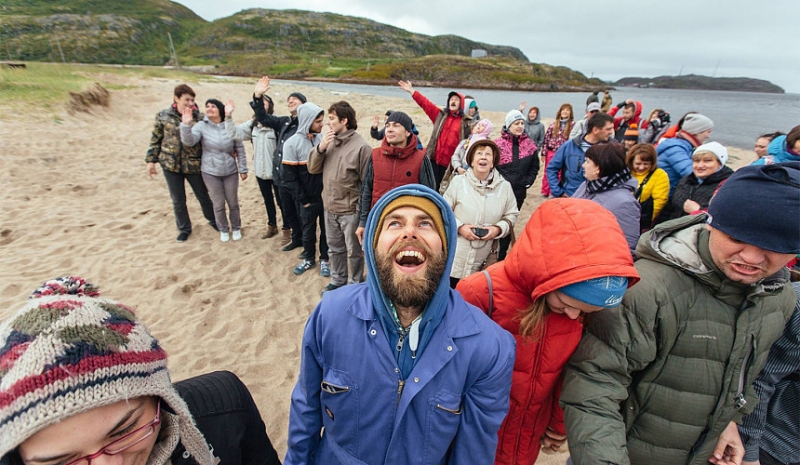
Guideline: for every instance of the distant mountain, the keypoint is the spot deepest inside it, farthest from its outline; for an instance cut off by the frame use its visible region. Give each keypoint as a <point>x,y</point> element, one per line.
<point>280,43</point>
<point>693,81</point>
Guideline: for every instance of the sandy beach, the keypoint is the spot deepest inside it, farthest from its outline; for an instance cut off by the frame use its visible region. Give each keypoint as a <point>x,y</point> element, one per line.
<point>76,200</point>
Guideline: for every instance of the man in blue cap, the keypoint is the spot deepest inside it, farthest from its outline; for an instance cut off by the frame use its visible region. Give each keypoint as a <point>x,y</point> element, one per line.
<point>666,377</point>
<point>401,369</point>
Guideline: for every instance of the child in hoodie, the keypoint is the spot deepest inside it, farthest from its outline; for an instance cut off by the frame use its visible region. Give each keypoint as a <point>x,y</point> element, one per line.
<point>307,187</point>
<point>480,131</point>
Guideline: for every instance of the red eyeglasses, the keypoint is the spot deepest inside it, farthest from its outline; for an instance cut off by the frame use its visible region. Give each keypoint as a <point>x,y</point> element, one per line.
<point>124,443</point>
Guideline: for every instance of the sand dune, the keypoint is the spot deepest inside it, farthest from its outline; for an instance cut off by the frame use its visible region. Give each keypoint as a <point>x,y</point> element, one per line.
<point>76,200</point>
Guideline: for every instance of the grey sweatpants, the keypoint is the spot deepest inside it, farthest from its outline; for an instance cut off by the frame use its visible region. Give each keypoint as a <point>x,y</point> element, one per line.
<point>344,248</point>
<point>223,189</point>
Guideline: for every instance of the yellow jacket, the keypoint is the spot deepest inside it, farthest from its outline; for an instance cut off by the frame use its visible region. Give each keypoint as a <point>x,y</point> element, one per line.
<point>657,188</point>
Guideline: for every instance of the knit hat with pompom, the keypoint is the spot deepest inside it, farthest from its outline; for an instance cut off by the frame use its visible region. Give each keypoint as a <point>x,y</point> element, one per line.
<point>68,351</point>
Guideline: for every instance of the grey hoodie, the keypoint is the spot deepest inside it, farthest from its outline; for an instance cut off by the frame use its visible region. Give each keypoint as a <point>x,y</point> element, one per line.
<point>535,130</point>
<point>306,187</point>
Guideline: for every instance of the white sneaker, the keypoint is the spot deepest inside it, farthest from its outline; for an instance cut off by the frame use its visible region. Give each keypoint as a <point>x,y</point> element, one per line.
<point>237,235</point>
<point>224,236</point>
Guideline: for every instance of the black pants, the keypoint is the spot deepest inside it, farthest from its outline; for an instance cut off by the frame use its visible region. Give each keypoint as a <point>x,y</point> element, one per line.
<point>438,173</point>
<point>177,192</point>
<point>520,195</point>
<point>290,215</point>
<point>266,186</point>
<point>310,216</point>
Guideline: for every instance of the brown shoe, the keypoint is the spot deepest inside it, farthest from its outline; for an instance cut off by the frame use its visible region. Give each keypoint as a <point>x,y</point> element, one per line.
<point>287,236</point>
<point>271,231</point>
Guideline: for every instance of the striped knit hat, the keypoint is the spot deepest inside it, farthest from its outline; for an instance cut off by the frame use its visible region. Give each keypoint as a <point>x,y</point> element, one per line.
<point>68,351</point>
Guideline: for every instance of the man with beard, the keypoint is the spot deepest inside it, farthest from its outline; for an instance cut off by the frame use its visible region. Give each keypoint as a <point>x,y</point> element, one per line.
<point>401,369</point>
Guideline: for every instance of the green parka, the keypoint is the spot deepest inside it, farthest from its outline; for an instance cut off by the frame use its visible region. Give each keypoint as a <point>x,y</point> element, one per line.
<point>657,379</point>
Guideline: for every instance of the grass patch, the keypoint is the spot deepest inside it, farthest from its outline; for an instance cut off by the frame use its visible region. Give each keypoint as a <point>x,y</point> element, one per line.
<point>46,86</point>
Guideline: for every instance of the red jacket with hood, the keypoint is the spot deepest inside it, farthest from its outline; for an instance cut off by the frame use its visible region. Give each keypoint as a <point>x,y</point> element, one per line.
<point>559,246</point>
<point>636,118</point>
<point>449,128</point>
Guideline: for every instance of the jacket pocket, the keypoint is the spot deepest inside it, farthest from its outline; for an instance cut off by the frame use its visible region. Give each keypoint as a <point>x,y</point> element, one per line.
<point>445,411</point>
<point>339,397</point>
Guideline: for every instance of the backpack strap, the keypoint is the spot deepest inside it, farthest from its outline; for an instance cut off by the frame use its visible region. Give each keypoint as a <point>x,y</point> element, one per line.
<point>638,192</point>
<point>491,297</point>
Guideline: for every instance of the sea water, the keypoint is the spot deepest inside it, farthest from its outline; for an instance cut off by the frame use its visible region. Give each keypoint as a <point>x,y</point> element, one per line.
<point>739,117</point>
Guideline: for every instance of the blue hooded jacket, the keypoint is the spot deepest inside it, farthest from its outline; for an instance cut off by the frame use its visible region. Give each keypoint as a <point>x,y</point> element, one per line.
<point>777,152</point>
<point>352,405</point>
<point>432,315</point>
<point>675,157</point>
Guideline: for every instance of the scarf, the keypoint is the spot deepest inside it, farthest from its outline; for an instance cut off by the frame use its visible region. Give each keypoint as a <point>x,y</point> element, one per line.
<point>608,182</point>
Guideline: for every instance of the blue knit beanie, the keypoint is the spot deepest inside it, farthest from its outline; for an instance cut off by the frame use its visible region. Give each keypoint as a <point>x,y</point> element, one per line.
<point>599,292</point>
<point>760,205</point>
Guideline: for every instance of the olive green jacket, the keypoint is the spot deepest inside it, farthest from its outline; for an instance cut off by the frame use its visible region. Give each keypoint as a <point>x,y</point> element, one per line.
<point>166,147</point>
<point>657,379</point>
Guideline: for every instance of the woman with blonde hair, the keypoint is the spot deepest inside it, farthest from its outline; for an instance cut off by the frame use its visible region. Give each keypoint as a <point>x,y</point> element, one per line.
<point>653,190</point>
<point>559,270</point>
<point>557,133</point>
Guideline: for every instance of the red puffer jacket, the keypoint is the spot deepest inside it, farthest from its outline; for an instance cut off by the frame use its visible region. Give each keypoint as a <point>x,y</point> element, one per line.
<point>565,241</point>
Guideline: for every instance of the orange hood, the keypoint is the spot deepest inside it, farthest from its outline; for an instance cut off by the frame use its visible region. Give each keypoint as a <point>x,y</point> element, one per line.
<point>567,241</point>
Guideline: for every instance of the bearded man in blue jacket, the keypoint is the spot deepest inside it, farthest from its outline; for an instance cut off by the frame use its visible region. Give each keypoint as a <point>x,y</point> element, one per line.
<point>400,369</point>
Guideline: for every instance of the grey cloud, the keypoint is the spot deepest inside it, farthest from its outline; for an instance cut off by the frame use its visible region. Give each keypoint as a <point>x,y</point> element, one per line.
<point>609,39</point>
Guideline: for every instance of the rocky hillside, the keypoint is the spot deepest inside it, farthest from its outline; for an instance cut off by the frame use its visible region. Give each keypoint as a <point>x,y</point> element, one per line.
<point>280,43</point>
<point>693,81</point>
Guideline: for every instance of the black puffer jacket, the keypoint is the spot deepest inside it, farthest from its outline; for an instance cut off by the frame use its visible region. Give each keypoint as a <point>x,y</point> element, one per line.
<point>225,413</point>
<point>689,188</point>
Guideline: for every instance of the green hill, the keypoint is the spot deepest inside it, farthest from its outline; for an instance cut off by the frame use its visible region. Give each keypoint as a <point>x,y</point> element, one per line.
<point>693,81</point>
<point>280,43</point>
<point>94,31</point>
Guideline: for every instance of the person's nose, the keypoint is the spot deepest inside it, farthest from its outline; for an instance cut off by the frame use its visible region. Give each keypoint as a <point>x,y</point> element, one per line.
<point>410,231</point>
<point>572,313</point>
<point>106,459</point>
<point>752,255</point>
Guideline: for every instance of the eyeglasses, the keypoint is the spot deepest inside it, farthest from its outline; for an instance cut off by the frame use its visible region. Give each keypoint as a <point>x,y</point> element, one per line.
<point>124,443</point>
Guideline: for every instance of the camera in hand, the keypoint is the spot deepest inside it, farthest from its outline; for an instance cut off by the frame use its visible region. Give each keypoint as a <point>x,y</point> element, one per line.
<point>480,232</point>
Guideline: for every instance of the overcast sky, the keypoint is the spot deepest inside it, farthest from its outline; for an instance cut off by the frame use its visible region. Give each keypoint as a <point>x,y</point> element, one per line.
<point>609,40</point>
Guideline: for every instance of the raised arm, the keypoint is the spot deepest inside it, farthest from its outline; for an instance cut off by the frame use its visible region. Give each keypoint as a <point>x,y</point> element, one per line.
<point>190,133</point>
<point>427,106</point>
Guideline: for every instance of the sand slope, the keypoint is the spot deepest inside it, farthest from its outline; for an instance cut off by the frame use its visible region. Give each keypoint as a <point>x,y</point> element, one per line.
<point>76,200</point>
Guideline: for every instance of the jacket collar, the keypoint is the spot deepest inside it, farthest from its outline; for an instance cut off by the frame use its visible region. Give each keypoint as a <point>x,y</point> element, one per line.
<point>684,244</point>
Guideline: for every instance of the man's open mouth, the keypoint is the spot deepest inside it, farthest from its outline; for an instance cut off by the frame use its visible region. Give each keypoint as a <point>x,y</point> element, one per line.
<point>409,258</point>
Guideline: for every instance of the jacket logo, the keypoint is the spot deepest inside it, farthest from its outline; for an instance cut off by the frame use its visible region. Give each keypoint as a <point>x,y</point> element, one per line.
<point>704,336</point>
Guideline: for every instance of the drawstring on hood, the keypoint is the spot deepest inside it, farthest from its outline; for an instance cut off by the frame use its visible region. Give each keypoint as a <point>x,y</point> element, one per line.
<point>422,329</point>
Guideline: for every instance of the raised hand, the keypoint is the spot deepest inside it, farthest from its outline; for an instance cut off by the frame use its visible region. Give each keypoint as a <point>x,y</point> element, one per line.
<point>229,107</point>
<point>262,87</point>
<point>187,117</point>
<point>406,86</point>
<point>522,106</point>
<point>375,122</point>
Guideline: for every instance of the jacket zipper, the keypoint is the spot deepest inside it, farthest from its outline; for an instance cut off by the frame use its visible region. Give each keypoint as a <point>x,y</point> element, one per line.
<point>740,399</point>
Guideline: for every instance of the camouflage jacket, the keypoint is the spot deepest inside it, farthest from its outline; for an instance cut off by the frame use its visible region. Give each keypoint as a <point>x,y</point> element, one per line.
<point>166,147</point>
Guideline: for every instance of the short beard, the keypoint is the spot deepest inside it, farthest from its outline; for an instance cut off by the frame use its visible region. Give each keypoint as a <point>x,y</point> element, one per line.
<point>406,290</point>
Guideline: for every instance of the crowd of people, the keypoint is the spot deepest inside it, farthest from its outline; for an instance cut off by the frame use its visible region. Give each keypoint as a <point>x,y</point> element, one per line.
<point>644,313</point>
